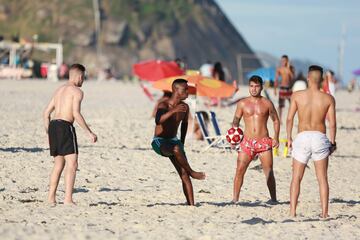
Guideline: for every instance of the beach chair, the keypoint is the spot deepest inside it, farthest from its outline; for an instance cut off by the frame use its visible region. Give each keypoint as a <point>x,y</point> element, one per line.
<point>216,140</point>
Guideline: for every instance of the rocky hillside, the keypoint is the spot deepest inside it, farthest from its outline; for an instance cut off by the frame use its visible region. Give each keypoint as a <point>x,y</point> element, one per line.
<point>131,30</point>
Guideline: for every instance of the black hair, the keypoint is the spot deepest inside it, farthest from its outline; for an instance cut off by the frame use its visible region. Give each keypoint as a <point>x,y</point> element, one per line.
<point>205,115</point>
<point>256,79</point>
<point>178,81</point>
<point>285,56</point>
<point>77,66</point>
<point>167,94</point>
<point>316,68</point>
<point>219,70</point>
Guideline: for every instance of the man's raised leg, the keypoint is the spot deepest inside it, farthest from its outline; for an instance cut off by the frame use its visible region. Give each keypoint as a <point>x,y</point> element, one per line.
<point>243,162</point>
<point>266,159</point>
<point>297,175</point>
<point>59,164</point>
<point>186,181</point>
<point>70,174</point>
<point>175,150</point>
<point>321,167</point>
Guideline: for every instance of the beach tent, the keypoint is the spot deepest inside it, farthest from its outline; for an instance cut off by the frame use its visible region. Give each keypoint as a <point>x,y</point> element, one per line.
<point>356,72</point>
<point>267,74</point>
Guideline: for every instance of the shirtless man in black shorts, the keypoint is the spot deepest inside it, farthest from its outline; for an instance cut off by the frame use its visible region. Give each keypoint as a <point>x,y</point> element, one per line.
<point>66,103</point>
<point>169,114</point>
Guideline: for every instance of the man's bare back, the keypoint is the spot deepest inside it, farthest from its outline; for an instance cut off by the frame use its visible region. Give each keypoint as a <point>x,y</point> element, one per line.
<point>311,142</point>
<point>64,98</point>
<point>312,109</point>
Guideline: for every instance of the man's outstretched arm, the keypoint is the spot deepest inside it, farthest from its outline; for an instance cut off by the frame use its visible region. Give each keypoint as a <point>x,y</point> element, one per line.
<point>290,119</point>
<point>47,112</point>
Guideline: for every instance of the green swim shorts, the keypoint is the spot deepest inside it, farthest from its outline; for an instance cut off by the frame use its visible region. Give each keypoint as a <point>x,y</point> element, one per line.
<point>158,141</point>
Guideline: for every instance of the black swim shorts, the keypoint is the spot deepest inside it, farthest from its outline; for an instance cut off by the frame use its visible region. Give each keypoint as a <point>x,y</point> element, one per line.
<point>62,138</point>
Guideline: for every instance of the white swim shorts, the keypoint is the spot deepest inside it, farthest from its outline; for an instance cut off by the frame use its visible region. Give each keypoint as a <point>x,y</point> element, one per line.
<point>310,145</point>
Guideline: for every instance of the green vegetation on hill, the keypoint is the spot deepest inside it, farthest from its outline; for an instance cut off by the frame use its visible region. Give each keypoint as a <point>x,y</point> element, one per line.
<point>131,30</point>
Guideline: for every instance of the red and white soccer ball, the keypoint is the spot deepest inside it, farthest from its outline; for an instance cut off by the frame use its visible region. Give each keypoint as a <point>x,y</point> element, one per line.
<point>234,135</point>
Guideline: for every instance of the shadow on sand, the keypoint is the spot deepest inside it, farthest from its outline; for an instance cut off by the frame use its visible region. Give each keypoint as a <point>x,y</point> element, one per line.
<point>243,204</point>
<point>257,220</point>
<point>347,156</point>
<point>267,204</point>
<point>109,204</point>
<point>80,190</point>
<point>105,189</point>
<point>23,149</point>
<point>348,202</point>
<point>166,204</point>
<point>120,147</point>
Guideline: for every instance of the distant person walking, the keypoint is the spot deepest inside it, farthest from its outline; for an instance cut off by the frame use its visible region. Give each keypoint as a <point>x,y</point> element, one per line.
<point>66,105</point>
<point>286,73</point>
<point>329,83</point>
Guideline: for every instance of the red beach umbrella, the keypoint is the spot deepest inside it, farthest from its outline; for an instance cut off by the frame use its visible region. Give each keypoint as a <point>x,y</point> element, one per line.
<point>154,70</point>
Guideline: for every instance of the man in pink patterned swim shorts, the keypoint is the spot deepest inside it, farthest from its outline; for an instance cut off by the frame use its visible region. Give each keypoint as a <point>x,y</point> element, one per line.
<point>252,147</point>
<point>256,111</point>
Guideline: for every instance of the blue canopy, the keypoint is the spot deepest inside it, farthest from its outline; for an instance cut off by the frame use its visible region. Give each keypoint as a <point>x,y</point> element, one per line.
<point>267,74</point>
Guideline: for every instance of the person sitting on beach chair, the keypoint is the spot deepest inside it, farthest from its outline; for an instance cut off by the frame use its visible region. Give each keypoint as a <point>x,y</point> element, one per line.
<point>197,129</point>
<point>217,140</point>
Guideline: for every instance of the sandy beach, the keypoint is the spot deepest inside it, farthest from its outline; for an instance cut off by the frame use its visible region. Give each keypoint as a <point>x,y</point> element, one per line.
<point>125,191</point>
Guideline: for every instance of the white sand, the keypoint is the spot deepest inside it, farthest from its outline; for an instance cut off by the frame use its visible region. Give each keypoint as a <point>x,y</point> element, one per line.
<point>125,191</point>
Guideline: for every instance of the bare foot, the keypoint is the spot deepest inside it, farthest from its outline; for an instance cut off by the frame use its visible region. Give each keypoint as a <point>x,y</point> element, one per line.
<point>71,203</point>
<point>198,175</point>
<point>51,200</point>
<point>272,202</point>
<point>324,216</point>
<point>52,203</point>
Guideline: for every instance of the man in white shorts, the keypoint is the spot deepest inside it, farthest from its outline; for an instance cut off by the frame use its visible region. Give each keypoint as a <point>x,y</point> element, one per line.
<point>312,106</point>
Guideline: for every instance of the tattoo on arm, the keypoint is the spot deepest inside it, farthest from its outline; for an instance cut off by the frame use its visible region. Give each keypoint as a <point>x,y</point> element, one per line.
<point>236,121</point>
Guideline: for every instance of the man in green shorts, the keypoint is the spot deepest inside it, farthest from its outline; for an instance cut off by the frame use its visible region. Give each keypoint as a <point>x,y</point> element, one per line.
<point>169,114</point>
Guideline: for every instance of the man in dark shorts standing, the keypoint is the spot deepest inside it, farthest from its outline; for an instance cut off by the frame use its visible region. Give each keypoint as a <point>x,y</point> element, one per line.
<point>169,114</point>
<point>286,73</point>
<point>65,103</point>
<point>256,111</point>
